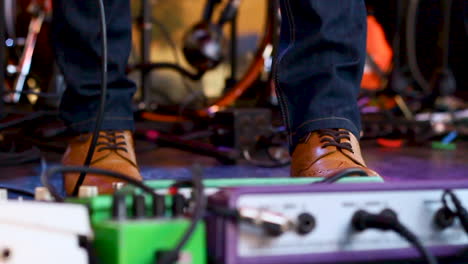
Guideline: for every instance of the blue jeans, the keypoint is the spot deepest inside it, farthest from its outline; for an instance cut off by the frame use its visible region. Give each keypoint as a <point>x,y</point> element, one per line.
<point>320,63</point>
<point>318,70</point>
<point>77,44</point>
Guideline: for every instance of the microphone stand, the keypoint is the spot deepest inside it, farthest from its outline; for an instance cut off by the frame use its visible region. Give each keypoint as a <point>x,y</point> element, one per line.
<point>443,82</point>
<point>145,42</point>
<point>2,57</point>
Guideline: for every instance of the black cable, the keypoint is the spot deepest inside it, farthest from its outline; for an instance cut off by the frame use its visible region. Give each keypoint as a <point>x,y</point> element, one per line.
<point>88,247</point>
<point>173,46</point>
<point>264,143</point>
<point>170,41</point>
<point>47,174</point>
<point>412,239</point>
<point>14,157</point>
<point>27,112</point>
<point>374,66</point>
<point>447,10</point>
<point>460,212</point>
<point>388,220</point>
<point>276,139</point>
<point>18,191</point>
<point>275,159</point>
<point>465,17</point>
<point>175,54</point>
<point>27,118</point>
<point>38,94</point>
<point>209,10</point>
<point>276,164</point>
<point>232,214</point>
<point>400,16</point>
<point>172,256</point>
<point>411,51</point>
<point>167,65</point>
<point>168,38</point>
<point>100,114</point>
<point>344,173</point>
<point>229,12</point>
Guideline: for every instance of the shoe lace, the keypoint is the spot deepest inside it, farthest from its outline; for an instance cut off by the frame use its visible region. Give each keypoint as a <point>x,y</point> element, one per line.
<point>113,140</point>
<point>333,137</point>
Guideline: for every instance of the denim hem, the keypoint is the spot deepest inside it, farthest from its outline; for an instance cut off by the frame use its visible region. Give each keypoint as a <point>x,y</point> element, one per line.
<point>281,96</point>
<point>109,123</point>
<point>322,123</point>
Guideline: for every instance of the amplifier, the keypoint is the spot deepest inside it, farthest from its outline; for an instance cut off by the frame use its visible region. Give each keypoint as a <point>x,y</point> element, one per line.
<point>322,217</point>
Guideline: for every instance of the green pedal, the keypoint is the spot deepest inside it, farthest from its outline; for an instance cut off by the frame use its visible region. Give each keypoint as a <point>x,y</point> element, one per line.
<point>142,241</point>
<point>137,228</point>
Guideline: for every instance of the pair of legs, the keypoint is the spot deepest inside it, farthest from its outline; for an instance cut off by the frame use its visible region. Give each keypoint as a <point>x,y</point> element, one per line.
<point>318,74</point>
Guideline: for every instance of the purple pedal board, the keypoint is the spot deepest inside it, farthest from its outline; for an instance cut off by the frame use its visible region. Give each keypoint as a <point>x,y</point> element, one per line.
<point>332,239</point>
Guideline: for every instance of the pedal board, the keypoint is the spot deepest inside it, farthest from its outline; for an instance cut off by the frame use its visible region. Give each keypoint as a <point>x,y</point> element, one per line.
<point>323,214</point>
<point>137,237</point>
<point>101,206</point>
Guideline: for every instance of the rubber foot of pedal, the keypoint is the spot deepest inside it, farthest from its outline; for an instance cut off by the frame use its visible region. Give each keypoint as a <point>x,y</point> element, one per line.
<point>443,146</point>
<point>390,143</point>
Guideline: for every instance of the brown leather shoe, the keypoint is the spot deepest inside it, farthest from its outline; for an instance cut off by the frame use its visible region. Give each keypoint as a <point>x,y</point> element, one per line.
<point>326,152</point>
<point>114,151</point>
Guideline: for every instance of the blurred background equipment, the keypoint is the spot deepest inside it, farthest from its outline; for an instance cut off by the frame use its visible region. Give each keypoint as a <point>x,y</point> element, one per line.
<point>192,60</point>
<point>203,71</point>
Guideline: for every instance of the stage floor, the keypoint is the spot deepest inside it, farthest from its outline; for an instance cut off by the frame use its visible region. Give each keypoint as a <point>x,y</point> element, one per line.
<point>403,164</point>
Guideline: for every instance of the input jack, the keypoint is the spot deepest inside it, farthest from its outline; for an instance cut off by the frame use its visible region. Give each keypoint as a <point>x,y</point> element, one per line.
<point>444,218</point>
<point>305,224</point>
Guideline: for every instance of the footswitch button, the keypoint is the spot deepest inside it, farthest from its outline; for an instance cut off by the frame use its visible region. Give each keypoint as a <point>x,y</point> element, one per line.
<point>42,194</point>
<point>88,191</point>
<point>3,194</point>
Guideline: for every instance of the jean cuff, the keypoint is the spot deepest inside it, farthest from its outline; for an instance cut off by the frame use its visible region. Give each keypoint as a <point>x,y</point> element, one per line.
<point>322,123</point>
<point>109,123</point>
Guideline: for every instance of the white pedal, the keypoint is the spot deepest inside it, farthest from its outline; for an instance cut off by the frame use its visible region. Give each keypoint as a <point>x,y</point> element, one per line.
<point>34,232</point>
